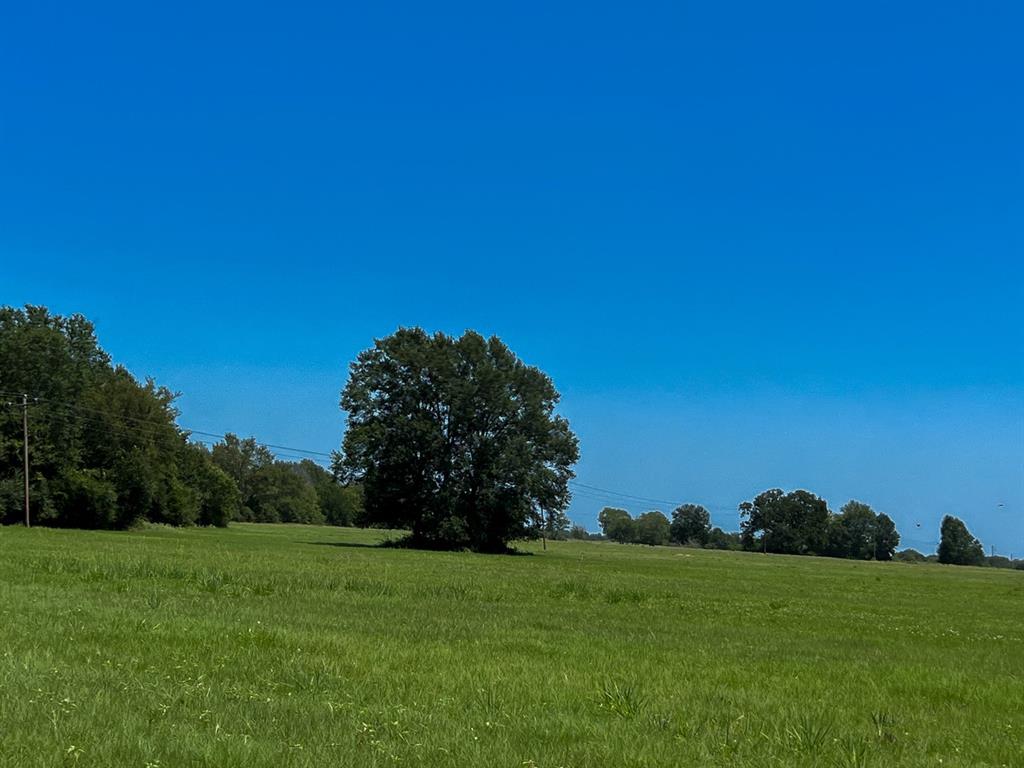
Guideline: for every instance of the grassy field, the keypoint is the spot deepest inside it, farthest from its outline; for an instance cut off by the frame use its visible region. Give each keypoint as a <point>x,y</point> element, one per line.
<point>303,646</point>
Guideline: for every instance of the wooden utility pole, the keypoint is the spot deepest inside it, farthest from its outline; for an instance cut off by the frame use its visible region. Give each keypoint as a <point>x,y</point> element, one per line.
<point>24,426</point>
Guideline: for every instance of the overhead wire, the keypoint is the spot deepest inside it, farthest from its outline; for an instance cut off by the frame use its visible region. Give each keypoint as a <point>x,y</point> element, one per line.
<point>579,488</point>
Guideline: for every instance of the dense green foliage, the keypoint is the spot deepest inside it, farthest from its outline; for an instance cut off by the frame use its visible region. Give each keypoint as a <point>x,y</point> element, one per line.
<point>267,646</point>
<point>691,524</point>
<point>785,523</point>
<point>910,556</point>
<point>800,523</point>
<point>719,539</point>
<point>651,528</point>
<point>339,504</point>
<point>455,440</point>
<point>794,523</point>
<point>957,546</point>
<point>616,524</point>
<point>105,450</point>
<point>275,491</point>
<point>858,532</point>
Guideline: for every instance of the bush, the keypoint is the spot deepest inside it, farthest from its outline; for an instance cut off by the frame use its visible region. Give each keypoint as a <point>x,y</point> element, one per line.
<point>910,556</point>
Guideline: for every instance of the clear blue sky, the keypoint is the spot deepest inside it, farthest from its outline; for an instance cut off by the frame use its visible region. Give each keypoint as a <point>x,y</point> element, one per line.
<point>754,244</point>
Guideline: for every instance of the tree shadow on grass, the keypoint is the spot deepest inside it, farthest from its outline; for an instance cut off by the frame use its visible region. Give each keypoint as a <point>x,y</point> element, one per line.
<point>404,544</point>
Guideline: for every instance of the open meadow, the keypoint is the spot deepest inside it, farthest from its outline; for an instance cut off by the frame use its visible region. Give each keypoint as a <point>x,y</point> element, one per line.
<point>266,645</point>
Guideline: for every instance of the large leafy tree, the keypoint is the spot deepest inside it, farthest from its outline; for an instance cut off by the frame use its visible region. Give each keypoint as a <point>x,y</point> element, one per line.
<point>456,440</point>
<point>691,524</point>
<point>617,524</point>
<point>852,532</point>
<point>957,546</point>
<point>887,538</point>
<point>859,533</point>
<point>793,523</point>
<point>652,528</point>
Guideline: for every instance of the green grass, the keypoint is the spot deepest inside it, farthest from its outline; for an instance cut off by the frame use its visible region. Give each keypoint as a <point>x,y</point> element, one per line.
<point>300,646</point>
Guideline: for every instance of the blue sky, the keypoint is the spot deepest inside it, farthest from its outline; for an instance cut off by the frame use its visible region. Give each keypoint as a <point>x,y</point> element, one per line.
<point>754,245</point>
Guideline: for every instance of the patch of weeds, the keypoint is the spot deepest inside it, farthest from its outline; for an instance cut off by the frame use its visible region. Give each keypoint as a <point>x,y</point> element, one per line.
<point>853,752</point>
<point>454,591</point>
<point>728,736</point>
<point>621,699</point>
<point>808,734</point>
<point>616,596</point>
<point>576,589</point>
<point>367,586</point>
<point>884,724</point>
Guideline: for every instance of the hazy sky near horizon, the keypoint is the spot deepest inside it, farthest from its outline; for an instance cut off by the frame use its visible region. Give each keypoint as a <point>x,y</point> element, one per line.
<point>755,246</point>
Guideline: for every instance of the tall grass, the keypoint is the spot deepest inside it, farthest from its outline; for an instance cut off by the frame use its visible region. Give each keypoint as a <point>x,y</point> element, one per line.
<point>298,646</point>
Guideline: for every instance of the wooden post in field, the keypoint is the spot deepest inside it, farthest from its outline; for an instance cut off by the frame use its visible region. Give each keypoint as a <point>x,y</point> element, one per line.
<point>24,427</point>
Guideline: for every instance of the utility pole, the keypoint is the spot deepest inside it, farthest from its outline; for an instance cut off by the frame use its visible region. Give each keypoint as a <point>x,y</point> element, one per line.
<point>24,426</point>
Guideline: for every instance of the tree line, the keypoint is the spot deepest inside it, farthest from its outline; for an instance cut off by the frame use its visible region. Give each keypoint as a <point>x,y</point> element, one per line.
<point>106,450</point>
<point>797,523</point>
<point>794,523</point>
<point>454,439</point>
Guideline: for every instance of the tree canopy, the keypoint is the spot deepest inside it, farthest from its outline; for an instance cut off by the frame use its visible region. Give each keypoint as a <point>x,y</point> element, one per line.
<point>794,523</point>
<point>456,440</point>
<point>651,528</point>
<point>691,524</point>
<point>859,533</point>
<point>957,546</point>
<point>616,524</point>
<point>275,491</point>
<point>800,523</point>
<point>105,450</point>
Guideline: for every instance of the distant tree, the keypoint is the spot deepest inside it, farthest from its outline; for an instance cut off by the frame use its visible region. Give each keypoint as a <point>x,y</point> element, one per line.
<point>652,528</point>
<point>910,556</point>
<point>957,546</point>
<point>691,524</point>
<point>556,525</point>
<point>455,440</point>
<point>217,494</point>
<point>852,532</point>
<point>719,539</point>
<point>789,523</point>
<point>998,561</point>
<point>241,459</point>
<point>340,504</point>
<point>887,538</point>
<point>282,495</point>
<point>579,533</point>
<point>616,524</point>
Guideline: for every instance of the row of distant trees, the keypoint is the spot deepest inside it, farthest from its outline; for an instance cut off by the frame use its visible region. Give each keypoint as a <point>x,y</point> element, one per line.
<point>795,523</point>
<point>106,451</point>
<point>798,523</point>
<point>453,439</point>
<point>274,491</point>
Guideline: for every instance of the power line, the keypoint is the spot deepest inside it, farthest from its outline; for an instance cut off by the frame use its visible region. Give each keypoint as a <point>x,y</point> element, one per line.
<point>156,425</point>
<point>585,490</point>
<point>608,492</point>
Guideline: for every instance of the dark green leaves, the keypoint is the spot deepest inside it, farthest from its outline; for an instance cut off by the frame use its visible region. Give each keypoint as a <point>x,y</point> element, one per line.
<point>456,440</point>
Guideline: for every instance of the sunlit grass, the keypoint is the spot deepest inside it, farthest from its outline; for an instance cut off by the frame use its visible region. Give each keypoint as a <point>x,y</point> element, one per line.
<point>301,646</point>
